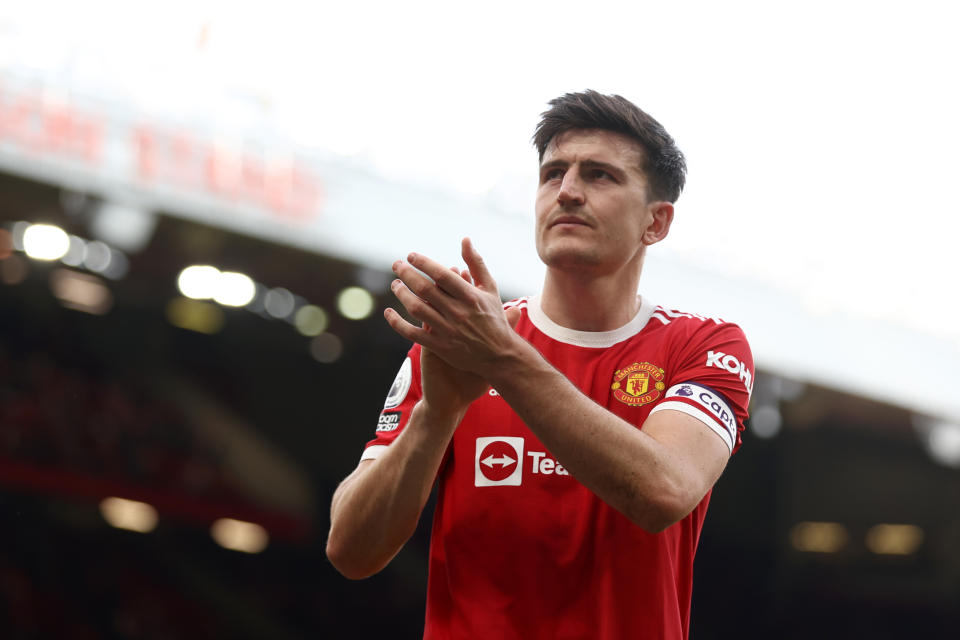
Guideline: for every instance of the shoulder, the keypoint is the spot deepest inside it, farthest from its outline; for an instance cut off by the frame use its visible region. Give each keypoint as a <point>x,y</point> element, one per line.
<point>708,345</point>
<point>685,319</point>
<point>689,324</point>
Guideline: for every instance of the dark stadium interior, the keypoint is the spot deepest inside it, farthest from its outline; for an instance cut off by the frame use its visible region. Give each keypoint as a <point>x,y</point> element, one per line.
<point>114,404</point>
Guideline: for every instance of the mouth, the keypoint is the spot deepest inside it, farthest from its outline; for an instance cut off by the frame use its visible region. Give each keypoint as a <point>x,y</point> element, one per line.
<point>569,221</point>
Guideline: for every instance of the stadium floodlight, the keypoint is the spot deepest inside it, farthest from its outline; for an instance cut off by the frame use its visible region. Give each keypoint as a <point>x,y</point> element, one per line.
<point>122,225</point>
<point>279,303</point>
<point>238,535</point>
<point>894,539</point>
<point>943,442</point>
<point>355,303</point>
<point>818,537</point>
<point>118,267</point>
<point>97,256</point>
<point>131,515</point>
<point>234,289</point>
<point>310,320</point>
<point>326,348</point>
<point>199,282</point>
<point>766,421</point>
<point>81,291</point>
<point>45,242</point>
<point>195,315</point>
<point>75,252</point>
<point>16,233</point>
<point>942,439</point>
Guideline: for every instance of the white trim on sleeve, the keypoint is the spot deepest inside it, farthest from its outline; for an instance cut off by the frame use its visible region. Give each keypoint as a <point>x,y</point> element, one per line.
<point>373,452</point>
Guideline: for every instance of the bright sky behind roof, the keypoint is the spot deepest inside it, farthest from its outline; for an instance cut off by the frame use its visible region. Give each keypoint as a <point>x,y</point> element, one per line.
<point>822,137</point>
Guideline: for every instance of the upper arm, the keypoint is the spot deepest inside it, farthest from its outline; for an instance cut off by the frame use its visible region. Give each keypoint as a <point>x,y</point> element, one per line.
<point>359,469</point>
<point>697,452</point>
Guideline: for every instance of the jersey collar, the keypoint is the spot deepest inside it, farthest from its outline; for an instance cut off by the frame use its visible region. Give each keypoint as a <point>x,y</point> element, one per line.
<point>595,339</point>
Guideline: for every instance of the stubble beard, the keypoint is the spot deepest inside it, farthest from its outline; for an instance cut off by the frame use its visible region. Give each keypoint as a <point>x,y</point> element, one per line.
<point>585,259</point>
<point>570,256</point>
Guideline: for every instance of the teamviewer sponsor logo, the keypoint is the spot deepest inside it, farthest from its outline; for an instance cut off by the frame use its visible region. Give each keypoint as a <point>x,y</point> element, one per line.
<point>499,462</point>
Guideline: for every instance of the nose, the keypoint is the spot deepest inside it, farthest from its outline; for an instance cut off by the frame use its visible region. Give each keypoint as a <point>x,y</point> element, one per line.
<point>571,189</point>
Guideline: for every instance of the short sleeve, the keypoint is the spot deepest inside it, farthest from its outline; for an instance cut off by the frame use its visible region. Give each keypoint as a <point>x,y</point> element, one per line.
<point>714,380</point>
<point>404,393</point>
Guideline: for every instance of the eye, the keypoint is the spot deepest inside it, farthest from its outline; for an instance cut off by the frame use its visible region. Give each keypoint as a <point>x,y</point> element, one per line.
<point>600,174</point>
<point>554,173</point>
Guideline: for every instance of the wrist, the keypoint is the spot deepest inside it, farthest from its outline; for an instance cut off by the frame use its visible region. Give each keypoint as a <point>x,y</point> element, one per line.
<point>439,417</point>
<point>514,365</point>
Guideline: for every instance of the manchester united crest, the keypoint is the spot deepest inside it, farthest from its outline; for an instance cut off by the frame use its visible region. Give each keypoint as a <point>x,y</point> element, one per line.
<point>638,384</point>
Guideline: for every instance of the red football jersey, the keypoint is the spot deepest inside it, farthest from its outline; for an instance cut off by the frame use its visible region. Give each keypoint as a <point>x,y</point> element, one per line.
<point>522,550</point>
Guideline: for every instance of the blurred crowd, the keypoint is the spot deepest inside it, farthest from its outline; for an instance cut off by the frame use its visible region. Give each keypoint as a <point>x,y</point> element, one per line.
<point>49,589</point>
<point>69,429</point>
<point>81,580</point>
<point>80,420</point>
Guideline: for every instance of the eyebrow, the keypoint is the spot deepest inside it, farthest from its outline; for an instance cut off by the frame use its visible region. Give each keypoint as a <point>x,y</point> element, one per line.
<point>588,164</point>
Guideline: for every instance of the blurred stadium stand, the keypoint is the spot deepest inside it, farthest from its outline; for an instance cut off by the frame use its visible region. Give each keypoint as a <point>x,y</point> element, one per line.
<point>833,520</point>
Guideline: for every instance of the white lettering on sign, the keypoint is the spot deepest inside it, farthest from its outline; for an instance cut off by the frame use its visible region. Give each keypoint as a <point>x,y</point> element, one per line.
<point>51,127</point>
<point>170,157</point>
<point>179,158</point>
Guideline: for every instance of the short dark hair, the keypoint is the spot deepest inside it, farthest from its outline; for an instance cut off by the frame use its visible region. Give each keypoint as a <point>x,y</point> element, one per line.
<point>663,163</point>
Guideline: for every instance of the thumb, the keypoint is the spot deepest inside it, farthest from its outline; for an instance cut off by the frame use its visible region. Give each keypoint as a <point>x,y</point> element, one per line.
<point>513,316</point>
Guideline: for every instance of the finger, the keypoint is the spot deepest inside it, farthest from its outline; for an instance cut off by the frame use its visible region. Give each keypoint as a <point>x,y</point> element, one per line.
<point>406,330</point>
<point>478,269</point>
<point>444,279</point>
<point>465,274</point>
<point>415,305</point>
<point>513,316</point>
<point>422,286</point>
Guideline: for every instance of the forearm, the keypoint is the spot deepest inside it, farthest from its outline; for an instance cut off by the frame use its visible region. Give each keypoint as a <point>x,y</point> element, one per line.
<point>376,509</point>
<point>628,469</point>
<point>654,476</point>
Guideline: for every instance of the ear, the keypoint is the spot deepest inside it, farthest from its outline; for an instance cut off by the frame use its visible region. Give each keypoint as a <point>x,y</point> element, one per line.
<point>662,213</point>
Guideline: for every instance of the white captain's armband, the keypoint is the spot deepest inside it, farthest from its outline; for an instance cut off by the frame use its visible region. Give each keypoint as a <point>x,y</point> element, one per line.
<point>704,404</point>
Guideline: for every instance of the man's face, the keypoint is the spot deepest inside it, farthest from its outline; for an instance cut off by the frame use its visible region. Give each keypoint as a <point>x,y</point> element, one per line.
<point>592,206</point>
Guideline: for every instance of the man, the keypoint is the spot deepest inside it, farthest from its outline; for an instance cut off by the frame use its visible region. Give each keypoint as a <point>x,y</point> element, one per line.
<point>576,435</point>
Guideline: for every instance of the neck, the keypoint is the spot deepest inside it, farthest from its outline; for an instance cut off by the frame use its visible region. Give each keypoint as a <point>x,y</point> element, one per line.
<point>588,302</point>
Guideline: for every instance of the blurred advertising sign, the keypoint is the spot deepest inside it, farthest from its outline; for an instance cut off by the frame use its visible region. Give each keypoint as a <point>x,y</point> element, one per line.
<point>259,187</point>
<point>161,166</point>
